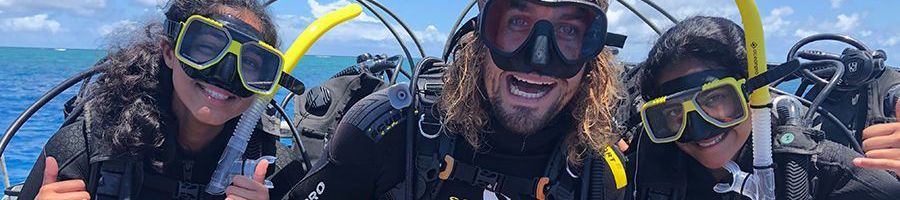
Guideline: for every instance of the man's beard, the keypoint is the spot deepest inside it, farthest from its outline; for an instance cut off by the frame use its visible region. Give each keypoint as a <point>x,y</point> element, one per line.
<point>521,119</point>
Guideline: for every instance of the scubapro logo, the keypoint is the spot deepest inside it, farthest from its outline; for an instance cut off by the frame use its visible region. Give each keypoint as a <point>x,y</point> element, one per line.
<point>320,188</point>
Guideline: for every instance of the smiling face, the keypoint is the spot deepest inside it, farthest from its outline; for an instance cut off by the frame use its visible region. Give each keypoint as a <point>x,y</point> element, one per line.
<point>714,152</point>
<point>201,101</point>
<point>526,102</point>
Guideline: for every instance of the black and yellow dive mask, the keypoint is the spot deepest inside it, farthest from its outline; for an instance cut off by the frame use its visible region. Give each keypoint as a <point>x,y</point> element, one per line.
<point>226,52</point>
<point>704,105</point>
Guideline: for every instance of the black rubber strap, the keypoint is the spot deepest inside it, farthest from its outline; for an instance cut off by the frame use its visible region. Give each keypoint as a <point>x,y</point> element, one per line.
<point>173,28</point>
<point>467,27</point>
<point>615,40</point>
<point>494,181</point>
<point>773,74</point>
<point>292,84</point>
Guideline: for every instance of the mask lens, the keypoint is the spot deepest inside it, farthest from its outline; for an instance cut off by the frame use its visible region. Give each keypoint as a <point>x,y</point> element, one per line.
<point>721,105</point>
<point>259,67</point>
<point>579,29</point>
<point>202,43</point>
<point>665,120</point>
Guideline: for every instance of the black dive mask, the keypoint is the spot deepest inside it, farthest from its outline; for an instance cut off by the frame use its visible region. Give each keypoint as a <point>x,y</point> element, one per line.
<point>550,38</point>
<point>223,75</point>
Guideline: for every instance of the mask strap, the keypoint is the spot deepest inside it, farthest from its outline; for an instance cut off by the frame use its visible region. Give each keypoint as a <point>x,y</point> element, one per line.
<point>772,75</point>
<point>470,26</point>
<point>615,40</point>
<point>172,29</point>
<point>292,84</point>
<point>690,81</point>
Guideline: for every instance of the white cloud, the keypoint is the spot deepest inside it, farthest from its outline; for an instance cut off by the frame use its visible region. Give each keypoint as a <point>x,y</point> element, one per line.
<point>82,7</point>
<point>775,22</point>
<point>836,3</point>
<point>363,29</point>
<point>865,33</point>
<point>120,26</point>
<point>843,24</point>
<point>804,33</point>
<point>890,41</point>
<point>431,34</point>
<point>641,37</point>
<point>39,22</point>
<point>151,2</point>
<point>319,10</point>
<point>846,23</point>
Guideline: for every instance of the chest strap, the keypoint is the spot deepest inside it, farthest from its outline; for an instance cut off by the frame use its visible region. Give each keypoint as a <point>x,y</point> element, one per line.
<point>494,181</point>
<point>177,189</point>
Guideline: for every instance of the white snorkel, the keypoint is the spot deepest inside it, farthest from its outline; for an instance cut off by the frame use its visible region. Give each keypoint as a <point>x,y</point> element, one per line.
<point>760,185</point>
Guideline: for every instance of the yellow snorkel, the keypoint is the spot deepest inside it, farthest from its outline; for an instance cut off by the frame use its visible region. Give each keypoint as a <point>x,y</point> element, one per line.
<point>230,163</point>
<point>760,185</point>
<point>756,48</point>
<point>315,30</point>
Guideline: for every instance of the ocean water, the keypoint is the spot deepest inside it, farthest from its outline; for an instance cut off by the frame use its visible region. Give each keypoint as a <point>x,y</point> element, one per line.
<point>27,73</point>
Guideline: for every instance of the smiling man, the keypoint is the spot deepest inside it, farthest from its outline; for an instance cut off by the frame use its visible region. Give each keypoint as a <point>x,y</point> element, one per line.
<point>523,113</point>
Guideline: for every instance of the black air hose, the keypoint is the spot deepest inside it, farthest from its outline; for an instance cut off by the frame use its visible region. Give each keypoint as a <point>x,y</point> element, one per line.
<point>796,178</point>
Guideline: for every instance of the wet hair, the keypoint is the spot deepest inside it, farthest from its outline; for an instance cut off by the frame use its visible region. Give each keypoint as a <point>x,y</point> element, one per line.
<point>126,102</point>
<point>465,107</point>
<point>715,40</point>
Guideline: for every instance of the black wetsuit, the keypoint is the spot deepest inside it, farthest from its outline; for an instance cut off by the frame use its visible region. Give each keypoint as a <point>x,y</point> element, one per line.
<point>362,166</point>
<point>82,155</point>
<point>665,172</point>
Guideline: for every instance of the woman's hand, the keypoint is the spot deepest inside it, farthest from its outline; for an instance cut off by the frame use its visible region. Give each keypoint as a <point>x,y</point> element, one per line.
<point>243,187</point>
<point>54,189</point>
<point>881,142</point>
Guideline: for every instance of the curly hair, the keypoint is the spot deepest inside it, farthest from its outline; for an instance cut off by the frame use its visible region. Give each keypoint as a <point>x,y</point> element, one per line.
<point>464,106</point>
<point>128,98</point>
<point>708,39</point>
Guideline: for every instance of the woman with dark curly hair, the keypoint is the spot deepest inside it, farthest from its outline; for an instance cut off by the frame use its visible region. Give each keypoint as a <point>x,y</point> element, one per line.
<point>696,127</point>
<point>158,118</point>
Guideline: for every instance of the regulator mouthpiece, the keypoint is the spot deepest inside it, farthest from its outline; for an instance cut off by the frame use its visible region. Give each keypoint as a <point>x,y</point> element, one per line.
<point>741,182</point>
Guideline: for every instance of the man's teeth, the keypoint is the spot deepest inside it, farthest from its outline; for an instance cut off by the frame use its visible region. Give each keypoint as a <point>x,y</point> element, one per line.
<point>711,142</point>
<point>516,91</point>
<point>215,95</point>
<point>531,81</point>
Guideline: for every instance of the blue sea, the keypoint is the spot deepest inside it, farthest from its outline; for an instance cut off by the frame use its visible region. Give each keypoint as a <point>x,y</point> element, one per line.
<point>27,73</point>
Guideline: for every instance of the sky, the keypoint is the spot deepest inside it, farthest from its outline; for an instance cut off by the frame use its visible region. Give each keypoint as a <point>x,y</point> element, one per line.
<point>95,24</point>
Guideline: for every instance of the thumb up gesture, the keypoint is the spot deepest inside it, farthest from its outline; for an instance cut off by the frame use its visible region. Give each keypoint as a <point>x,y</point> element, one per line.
<point>881,142</point>
<point>51,188</point>
<point>245,188</point>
